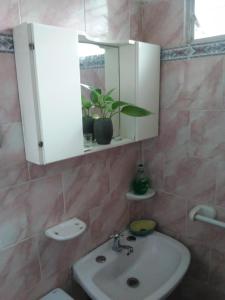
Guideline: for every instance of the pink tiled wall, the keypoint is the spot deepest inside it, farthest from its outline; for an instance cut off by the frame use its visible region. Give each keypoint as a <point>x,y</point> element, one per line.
<point>32,197</point>
<point>186,161</point>
<point>163,22</point>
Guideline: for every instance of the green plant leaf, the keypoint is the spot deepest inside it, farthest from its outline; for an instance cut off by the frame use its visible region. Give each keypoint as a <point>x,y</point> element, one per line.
<point>108,99</point>
<point>108,107</point>
<point>101,101</point>
<point>135,111</point>
<point>86,103</point>
<point>117,104</point>
<point>110,92</point>
<point>95,95</point>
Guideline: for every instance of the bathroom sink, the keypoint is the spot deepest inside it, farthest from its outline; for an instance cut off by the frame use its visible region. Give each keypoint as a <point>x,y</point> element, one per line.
<point>151,272</point>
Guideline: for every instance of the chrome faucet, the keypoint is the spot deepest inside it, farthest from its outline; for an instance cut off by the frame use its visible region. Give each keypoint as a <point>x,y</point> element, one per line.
<point>118,247</point>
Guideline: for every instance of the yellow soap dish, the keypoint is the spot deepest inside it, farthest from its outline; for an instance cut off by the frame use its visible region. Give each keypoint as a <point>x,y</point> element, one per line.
<point>142,227</point>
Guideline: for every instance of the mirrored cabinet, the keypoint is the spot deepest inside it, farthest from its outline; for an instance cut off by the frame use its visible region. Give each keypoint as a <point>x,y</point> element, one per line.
<point>57,67</point>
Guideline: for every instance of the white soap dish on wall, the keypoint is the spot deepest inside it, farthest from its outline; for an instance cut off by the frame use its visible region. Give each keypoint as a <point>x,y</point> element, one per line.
<point>149,194</point>
<point>67,230</point>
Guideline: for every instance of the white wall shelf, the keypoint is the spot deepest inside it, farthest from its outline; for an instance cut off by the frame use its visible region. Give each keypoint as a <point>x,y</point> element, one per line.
<point>114,143</point>
<point>67,230</point>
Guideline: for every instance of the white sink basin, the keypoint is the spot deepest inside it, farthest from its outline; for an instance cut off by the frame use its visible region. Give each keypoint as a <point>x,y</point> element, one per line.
<point>158,262</point>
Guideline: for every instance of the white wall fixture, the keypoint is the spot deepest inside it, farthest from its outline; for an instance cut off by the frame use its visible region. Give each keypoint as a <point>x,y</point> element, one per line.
<point>67,230</point>
<point>206,214</point>
<point>148,195</point>
<point>48,73</point>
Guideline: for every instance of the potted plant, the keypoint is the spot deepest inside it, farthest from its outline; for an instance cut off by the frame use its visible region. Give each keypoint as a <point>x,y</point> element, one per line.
<point>108,107</point>
<point>88,121</point>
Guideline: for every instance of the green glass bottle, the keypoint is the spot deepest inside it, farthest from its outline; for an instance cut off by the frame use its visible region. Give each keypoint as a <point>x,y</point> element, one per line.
<point>141,182</point>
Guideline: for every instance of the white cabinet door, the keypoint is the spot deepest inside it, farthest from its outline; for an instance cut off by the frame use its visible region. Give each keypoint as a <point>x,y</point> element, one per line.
<point>147,89</point>
<point>139,85</point>
<point>54,65</point>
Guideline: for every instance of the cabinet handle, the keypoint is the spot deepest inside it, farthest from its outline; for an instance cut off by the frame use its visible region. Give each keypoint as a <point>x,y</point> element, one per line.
<point>31,46</point>
<point>40,144</point>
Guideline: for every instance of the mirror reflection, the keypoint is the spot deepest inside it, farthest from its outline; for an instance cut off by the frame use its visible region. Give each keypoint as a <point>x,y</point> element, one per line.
<point>99,68</point>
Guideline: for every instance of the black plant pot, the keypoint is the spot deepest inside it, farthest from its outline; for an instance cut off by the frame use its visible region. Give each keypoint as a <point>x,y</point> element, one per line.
<point>88,125</point>
<point>103,131</point>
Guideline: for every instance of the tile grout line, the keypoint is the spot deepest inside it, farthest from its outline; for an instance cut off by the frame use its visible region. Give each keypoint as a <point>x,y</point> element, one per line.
<point>85,17</point>
<point>39,257</point>
<point>19,11</point>
<point>64,196</point>
<point>13,245</point>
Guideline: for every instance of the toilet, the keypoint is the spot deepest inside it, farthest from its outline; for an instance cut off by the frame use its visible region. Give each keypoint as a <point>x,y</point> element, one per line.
<point>57,294</point>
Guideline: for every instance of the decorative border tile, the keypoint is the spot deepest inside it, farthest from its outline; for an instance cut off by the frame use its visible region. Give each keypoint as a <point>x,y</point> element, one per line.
<point>6,43</point>
<point>193,51</point>
<point>179,53</point>
<point>92,62</point>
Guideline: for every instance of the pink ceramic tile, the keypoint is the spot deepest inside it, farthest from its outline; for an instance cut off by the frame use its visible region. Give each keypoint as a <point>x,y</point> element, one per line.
<point>13,175</point>
<point>97,218</point>
<point>217,272</point>
<point>172,93</point>
<point>19,269</point>
<point>108,19</point>
<point>117,211</point>
<point>169,211</point>
<point>152,145</point>
<point>61,280</point>
<point>137,210</point>
<point>101,156</point>
<point>9,14</point>
<point>163,22</point>
<point>192,289</point>
<point>111,217</point>
<point>220,184</point>
<point>123,166</point>
<point>37,171</point>
<point>9,101</point>
<point>84,188</point>
<point>12,147</point>
<point>174,132</point>
<point>154,163</point>
<point>29,208</point>
<point>58,257</point>
<point>204,82</point>
<point>135,9</point>
<point>69,13</point>
<point>187,177</point>
<point>200,259</point>
<point>207,134</point>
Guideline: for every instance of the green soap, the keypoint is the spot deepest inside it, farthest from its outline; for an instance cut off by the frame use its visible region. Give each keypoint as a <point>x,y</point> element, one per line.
<point>142,227</point>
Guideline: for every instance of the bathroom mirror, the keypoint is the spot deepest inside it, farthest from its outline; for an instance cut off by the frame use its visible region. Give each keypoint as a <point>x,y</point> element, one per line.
<point>99,67</point>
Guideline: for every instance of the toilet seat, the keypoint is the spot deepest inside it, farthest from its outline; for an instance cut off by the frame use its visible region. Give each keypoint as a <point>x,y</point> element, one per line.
<point>57,294</point>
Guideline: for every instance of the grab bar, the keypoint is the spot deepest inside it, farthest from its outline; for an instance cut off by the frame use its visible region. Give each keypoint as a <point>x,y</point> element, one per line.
<point>206,214</point>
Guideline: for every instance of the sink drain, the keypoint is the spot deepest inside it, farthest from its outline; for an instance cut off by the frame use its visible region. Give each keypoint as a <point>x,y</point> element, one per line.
<point>133,282</point>
<point>100,259</point>
<point>131,238</point>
